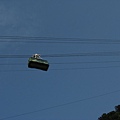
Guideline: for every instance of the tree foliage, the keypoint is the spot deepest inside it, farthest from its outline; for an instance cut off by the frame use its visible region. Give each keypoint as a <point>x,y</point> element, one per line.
<point>113,115</point>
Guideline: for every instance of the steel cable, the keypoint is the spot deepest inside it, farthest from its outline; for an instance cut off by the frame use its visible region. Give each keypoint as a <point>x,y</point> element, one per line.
<point>61,105</point>
<point>28,39</point>
<point>111,53</point>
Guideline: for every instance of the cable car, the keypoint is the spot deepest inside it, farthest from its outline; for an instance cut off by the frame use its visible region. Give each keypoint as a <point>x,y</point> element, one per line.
<point>37,62</point>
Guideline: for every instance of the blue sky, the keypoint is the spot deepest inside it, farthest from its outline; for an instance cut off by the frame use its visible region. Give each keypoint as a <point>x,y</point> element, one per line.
<point>84,84</point>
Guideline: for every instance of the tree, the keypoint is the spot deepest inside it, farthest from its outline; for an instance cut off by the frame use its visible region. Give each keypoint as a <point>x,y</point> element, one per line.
<point>113,115</point>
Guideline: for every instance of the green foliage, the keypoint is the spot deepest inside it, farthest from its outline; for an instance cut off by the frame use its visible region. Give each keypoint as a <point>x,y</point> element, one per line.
<point>113,115</point>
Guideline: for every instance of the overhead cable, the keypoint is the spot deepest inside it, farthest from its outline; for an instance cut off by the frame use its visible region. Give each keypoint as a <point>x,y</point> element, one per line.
<point>75,62</point>
<point>111,53</point>
<point>28,39</point>
<point>61,105</point>
<point>61,69</point>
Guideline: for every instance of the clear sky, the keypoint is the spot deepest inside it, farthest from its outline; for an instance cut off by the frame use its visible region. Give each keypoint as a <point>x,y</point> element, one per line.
<point>81,86</point>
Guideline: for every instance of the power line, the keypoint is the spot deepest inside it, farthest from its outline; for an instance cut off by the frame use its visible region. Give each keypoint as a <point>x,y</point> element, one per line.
<point>60,63</point>
<point>82,68</point>
<point>61,105</point>
<point>61,69</point>
<point>28,39</point>
<point>87,62</point>
<point>109,53</point>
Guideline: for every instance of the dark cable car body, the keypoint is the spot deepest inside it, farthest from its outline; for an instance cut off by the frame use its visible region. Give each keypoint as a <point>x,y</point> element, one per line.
<point>37,62</point>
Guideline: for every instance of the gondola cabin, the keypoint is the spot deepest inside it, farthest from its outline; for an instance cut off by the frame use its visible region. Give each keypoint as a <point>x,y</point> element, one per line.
<point>36,62</point>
